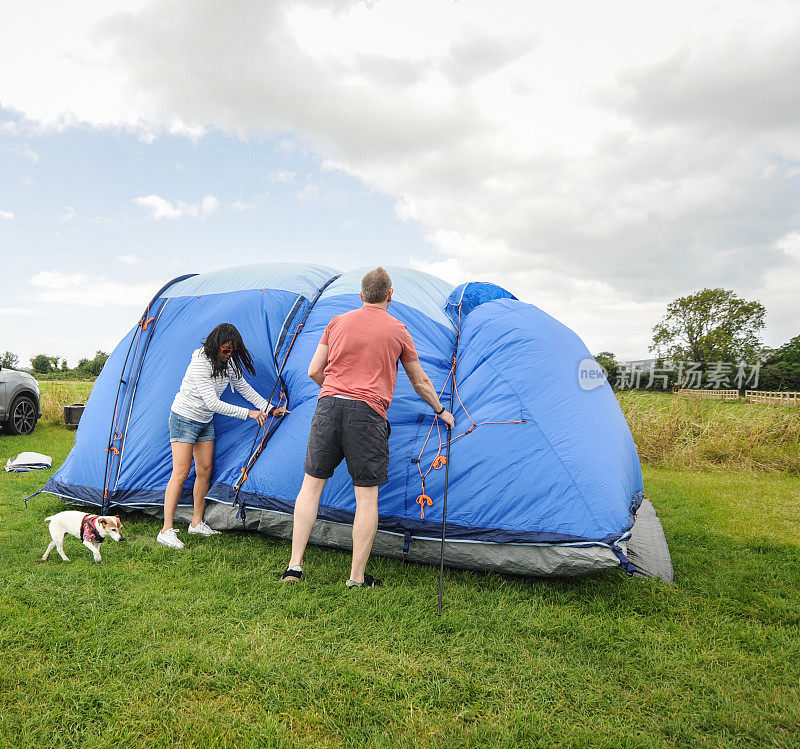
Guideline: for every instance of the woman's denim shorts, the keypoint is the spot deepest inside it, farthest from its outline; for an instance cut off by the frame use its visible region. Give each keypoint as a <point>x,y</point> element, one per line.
<point>182,429</point>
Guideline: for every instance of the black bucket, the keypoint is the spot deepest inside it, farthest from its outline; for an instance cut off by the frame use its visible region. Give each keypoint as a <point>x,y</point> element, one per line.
<point>73,413</point>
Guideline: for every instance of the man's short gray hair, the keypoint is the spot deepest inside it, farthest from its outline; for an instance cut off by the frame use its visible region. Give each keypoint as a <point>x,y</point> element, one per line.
<point>375,286</point>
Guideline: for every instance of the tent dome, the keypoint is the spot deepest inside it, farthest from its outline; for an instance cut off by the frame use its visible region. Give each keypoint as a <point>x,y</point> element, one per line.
<point>544,477</point>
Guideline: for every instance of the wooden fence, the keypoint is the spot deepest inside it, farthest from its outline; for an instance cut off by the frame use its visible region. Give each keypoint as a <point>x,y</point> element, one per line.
<point>775,397</point>
<point>721,395</point>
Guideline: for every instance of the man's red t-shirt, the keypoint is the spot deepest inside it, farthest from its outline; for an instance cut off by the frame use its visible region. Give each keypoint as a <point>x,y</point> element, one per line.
<point>363,349</point>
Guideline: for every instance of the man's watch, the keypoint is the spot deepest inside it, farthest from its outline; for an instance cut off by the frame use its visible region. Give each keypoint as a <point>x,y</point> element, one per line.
<point>439,413</point>
<point>270,410</point>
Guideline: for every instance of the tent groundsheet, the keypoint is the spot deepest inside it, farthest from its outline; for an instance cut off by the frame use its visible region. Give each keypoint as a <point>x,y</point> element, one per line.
<point>544,560</point>
<point>647,546</point>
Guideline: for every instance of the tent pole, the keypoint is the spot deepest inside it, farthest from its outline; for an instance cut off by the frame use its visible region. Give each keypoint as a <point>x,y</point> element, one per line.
<point>444,523</point>
<point>447,479</point>
<point>253,457</point>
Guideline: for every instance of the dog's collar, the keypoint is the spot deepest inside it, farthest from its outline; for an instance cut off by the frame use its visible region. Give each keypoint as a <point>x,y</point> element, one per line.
<point>89,531</point>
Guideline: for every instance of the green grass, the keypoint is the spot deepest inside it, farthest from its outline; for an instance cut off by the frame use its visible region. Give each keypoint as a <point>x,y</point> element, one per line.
<point>205,648</point>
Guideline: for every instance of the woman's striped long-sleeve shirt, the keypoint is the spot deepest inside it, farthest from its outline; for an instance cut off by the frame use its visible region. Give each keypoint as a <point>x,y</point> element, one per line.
<point>198,398</point>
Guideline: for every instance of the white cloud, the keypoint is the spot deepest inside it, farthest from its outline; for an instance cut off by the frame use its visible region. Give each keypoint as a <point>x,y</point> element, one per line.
<point>530,139</point>
<point>628,152</point>
<point>308,193</point>
<point>102,220</point>
<point>604,317</point>
<point>209,205</point>
<point>194,133</point>
<point>9,215</point>
<point>88,290</point>
<point>240,205</point>
<point>782,286</point>
<point>161,208</point>
<point>158,207</point>
<point>68,214</point>
<point>11,128</point>
<point>19,311</point>
<point>128,259</point>
<point>282,175</point>
<point>47,279</point>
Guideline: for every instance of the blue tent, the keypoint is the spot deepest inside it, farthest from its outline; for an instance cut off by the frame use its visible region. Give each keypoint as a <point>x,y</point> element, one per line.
<point>544,477</point>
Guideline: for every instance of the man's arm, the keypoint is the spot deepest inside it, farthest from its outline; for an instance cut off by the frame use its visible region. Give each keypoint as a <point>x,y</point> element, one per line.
<point>316,370</point>
<point>424,389</point>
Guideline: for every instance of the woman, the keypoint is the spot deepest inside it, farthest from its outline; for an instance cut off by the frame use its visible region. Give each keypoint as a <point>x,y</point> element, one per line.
<point>213,367</point>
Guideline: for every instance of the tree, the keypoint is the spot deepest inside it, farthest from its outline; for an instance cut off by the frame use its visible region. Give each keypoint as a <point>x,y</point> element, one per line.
<point>710,325</point>
<point>93,366</point>
<point>781,370</point>
<point>43,364</point>
<point>9,360</point>
<point>609,363</point>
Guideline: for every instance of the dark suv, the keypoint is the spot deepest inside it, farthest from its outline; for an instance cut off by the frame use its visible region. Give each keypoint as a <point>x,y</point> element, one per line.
<point>19,401</point>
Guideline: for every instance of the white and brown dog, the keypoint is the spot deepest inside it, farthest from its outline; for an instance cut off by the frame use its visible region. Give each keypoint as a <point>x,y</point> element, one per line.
<point>92,530</point>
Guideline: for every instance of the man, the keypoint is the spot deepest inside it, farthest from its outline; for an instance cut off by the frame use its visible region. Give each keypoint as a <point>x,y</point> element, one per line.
<point>355,364</point>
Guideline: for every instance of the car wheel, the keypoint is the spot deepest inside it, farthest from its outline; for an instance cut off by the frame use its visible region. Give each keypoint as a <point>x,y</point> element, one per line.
<point>22,416</point>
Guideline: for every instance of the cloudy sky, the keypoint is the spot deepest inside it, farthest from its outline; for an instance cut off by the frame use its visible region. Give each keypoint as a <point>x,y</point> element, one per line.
<point>596,159</point>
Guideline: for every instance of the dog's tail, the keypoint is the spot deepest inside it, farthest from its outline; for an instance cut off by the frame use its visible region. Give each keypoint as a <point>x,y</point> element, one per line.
<point>50,518</point>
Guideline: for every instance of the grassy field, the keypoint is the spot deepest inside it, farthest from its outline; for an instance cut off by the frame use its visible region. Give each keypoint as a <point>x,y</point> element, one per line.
<point>205,647</point>
<point>686,432</point>
<point>55,394</point>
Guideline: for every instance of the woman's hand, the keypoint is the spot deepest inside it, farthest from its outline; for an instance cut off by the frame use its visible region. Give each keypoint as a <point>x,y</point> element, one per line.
<point>281,411</point>
<point>259,416</point>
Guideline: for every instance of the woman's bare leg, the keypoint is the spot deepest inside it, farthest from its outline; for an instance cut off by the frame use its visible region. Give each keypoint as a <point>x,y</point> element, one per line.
<point>181,465</point>
<point>203,464</point>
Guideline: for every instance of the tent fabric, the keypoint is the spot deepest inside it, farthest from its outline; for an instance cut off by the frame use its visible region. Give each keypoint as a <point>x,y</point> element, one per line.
<point>298,278</point>
<point>468,296</point>
<point>422,292</point>
<point>566,474</point>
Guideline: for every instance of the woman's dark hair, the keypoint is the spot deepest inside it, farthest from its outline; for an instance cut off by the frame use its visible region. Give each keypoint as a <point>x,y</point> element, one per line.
<point>241,359</point>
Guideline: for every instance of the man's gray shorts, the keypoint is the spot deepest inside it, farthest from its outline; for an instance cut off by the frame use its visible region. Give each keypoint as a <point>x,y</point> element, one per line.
<point>349,429</point>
